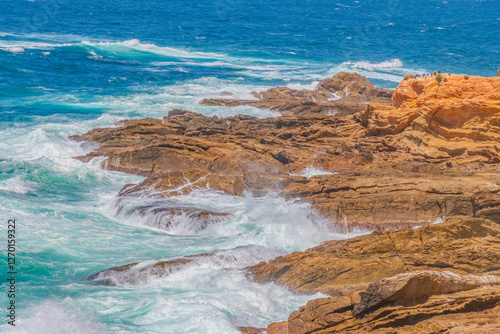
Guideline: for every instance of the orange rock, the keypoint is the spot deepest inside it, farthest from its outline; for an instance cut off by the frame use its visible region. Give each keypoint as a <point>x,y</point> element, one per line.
<point>419,302</point>
<point>339,267</point>
<point>278,328</point>
<point>399,166</point>
<point>458,119</point>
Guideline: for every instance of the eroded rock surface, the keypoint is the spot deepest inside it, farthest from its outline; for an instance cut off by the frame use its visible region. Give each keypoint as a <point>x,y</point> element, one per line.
<point>431,155</point>
<point>338,267</point>
<point>343,94</point>
<point>458,119</point>
<point>418,302</point>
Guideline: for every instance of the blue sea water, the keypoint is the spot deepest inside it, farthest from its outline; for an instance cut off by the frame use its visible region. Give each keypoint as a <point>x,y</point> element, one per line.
<point>69,66</point>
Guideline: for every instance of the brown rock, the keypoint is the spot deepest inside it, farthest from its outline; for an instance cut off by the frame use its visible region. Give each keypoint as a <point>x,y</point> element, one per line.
<point>251,330</point>
<point>419,302</point>
<point>168,218</point>
<point>320,313</point>
<point>278,328</point>
<point>414,285</point>
<point>343,94</point>
<point>339,267</point>
<point>431,156</point>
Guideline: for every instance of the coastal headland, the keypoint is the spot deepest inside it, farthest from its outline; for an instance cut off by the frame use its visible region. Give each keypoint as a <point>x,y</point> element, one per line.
<point>418,166</point>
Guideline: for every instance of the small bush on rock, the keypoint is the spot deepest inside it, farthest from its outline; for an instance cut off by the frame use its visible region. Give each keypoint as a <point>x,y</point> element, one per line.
<point>439,78</point>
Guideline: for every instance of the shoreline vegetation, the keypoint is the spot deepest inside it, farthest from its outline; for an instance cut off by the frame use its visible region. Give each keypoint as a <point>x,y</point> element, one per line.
<point>418,166</point>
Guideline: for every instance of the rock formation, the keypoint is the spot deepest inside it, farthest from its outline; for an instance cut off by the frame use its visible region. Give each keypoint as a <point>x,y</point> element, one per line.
<point>343,94</point>
<point>417,302</point>
<point>337,267</point>
<point>457,120</point>
<point>430,154</point>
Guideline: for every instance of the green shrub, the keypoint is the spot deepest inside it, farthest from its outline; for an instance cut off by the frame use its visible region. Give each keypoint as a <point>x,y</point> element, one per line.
<point>466,77</point>
<point>408,76</point>
<point>439,78</point>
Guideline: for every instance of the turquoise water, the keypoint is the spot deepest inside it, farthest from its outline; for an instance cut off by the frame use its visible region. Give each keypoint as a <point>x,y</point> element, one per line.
<point>67,67</point>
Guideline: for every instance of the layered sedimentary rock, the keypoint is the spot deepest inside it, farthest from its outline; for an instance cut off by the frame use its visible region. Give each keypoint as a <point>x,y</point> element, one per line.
<point>458,119</point>
<point>343,94</point>
<point>430,155</point>
<point>417,302</point>
<point>338,267</point>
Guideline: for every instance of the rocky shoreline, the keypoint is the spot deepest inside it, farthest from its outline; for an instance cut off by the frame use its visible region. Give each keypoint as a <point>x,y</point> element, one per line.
<point>365,158</point>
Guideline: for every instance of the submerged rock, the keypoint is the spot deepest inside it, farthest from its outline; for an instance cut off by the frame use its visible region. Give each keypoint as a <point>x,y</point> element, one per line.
<point>251,330</point>
<point>137,273</point>
<point>180,220</point>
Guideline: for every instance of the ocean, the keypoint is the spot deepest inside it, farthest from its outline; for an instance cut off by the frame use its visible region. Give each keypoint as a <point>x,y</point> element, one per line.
<point>67,67</point>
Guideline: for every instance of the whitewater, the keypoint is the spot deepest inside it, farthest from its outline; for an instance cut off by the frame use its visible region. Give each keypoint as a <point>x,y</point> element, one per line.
<point>72,223</point>
<point>67,67</point>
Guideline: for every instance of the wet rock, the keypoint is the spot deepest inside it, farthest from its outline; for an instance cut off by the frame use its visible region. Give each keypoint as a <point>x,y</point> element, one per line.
<point>137,273</point>
<point>187,220</point>
<point>339,267</point>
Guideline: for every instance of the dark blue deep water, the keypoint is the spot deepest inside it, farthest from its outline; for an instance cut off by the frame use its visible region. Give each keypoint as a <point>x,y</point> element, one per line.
<point>69,66</point>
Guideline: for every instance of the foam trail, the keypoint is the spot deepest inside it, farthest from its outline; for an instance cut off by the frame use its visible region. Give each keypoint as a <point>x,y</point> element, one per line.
<point>13,49</point>
<point>159,271</point>
<point>391,70</point>
<point>365,65</point>
<point>135,44</point>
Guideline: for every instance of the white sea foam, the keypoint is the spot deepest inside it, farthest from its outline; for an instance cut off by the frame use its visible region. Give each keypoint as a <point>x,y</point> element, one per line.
<point>365,65</point>
<point>13,49</point>
<point>135,44</point>
<point>146,273</point>
<point>156,102</point>
<point>312,171</point>
<point>20,46</point>
<point>390,70</point>
<point>15,185</point>
<point>51,317</point>
<point>50,42</point>
<point>94,55</point>
<point>264,221</point>
<point>200,300</point>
